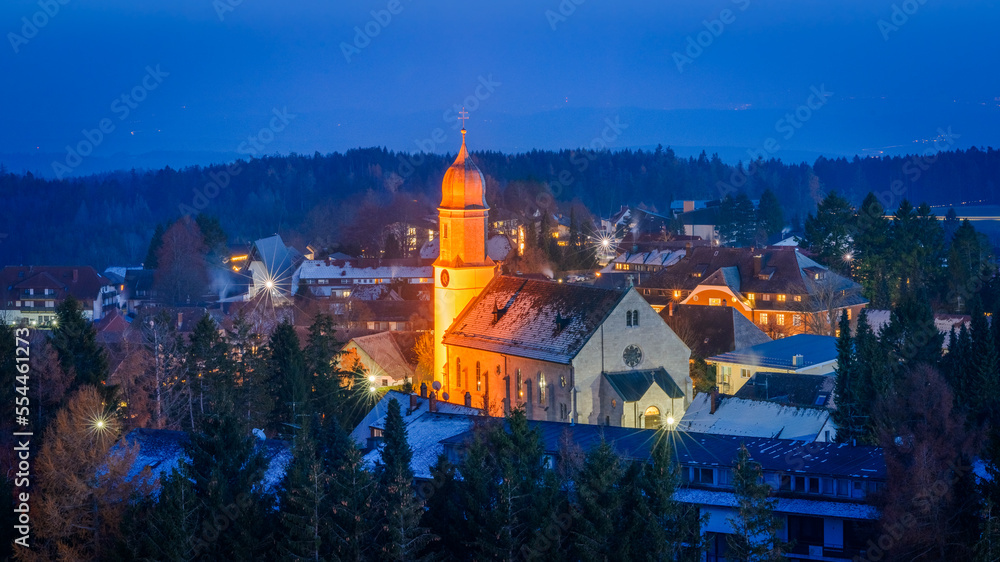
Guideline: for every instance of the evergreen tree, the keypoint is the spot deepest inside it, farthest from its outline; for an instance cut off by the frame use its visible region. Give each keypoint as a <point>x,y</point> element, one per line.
<point>353,517</point>
<point>227,467</point>
<point>847,417</point>
<point>161,527</point>
<point>400,535</point>
<point>288,369</point>
<point>673,529</point>
<point>911,334</point>
<point>75,341</point>
<point>737,221</point>
<point>255,389</point>
<point>755,528</point>
<point>214,237</point>
<point>208,372</point>
<point>304,503</point>
<point>322,357</point>
<point>770,217</point>
<point>152,260</point>
<point>827,235</point>
<point>602,515</point>
<point>871,259</point>
<point>984,370</point>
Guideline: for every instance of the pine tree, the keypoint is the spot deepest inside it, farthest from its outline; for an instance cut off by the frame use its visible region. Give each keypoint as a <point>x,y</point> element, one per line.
<point>874,375</point>
<point>770,217</point>
<point>304,503</point>
<point>288,369</point>
<point>871,257</point>
<point>673,529</point>
<point>400,535</point>
<point>255,387</point>
<point>227,468</point>
<point>208,372</point>
<point>354,521</point>
<point>322,355</point>
<point>827,234</point>
<point>755,527</point>
<point>161,526</point>
<point>152,261</point>
<point>847,417</point>
<point>75,340</point>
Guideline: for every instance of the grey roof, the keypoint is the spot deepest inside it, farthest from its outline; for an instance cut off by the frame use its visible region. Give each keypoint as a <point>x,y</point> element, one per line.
<point>711,330</point>
<point>633,385</point>
<point>754,418</point>
<point>814,349</point>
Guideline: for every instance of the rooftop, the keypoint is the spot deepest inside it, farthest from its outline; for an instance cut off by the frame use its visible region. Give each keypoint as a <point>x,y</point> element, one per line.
<point>814,349</point>
<point>753,418</point>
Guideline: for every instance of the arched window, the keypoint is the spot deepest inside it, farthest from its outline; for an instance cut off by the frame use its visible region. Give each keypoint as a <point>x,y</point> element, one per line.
<point>458,371</point>
<point>479,378</point>
<point>517,381</point>
<point>541,388</point>
<point>635,317</point>
<point>628,318</point>
<point>651,418</point>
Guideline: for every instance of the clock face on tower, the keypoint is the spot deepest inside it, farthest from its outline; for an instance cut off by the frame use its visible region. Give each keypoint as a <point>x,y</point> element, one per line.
<point>445,278</point>
<point>632,355</point>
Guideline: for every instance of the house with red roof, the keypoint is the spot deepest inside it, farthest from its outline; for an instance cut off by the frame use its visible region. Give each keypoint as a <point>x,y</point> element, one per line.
<point>32,293</point>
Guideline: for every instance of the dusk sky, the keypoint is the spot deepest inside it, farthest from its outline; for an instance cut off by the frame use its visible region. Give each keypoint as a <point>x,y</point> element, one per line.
<point>546,74</point>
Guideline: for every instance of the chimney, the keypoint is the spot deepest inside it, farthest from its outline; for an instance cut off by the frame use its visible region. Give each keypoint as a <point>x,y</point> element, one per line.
<point>758,262</point>
<point>413,402</point>
<point>798,360</point>
<point>468,399</point>
<point>715,400</point>
<point>423,390</point>
<point>76,275</point>
<point>432,403</point>
<point>687,249</point>
<point>670,308</point>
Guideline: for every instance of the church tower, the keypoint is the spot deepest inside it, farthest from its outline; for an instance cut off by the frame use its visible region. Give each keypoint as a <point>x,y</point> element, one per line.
<point>462,269</point>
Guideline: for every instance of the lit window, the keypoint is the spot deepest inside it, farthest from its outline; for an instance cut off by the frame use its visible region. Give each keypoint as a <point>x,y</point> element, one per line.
<point>797,298</point>
<point>479,378</point>
<point>763,318</point>
<point>517,379</point>
<point>541,388</point>
<point>677,294</point>
<point>766,296</point>
<point>750,296</point>
<point>745,373</point>
<point>781,298</point>
<point>781,319</point>
<point>458,371</point>
<point>848,313</point>
<point>714,302</point>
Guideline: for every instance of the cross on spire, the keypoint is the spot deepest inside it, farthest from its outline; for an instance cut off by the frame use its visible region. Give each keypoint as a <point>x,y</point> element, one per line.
<point>463,115</point>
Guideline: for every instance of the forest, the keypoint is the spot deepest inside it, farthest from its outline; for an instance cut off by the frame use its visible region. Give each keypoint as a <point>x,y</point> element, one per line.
<point>324,200</point>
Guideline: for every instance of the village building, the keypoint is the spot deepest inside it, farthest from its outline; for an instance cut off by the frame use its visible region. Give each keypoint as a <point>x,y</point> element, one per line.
<point>778,288</point>
<point>800,354</point>
<point>720,414</point>
<point>31,294</point>
<point>711,330</point>
<point>385,358</point>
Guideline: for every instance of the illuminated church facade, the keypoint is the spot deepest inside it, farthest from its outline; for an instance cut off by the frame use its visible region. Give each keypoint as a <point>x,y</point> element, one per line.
<point>562,352</point>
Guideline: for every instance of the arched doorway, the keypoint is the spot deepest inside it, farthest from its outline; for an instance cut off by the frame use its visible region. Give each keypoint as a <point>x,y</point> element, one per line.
<point>651,418</point>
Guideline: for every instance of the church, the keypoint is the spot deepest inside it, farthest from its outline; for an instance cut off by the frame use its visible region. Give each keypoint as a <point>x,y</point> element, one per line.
<point>562,352</point>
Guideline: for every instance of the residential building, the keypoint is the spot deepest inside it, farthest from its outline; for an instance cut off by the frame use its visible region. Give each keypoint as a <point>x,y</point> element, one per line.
<point>720,414</point>
<point>32,293</point>
<point>800,354</point>
<point>340,278</point>
<point>778,288</point>
<point>386,358</point>
<point>794,389</point>
<point>711,330</point>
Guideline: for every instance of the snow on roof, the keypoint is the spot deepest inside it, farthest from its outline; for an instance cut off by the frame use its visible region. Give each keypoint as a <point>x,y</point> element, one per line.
<point>541,320</point>
<point>879,319</point>
<point>386,353</point>
<point>162,450</point>
<point>814,350</point>
<point>815,507</point>
<point>753,418</point>
<point>498,247</point>
<point>424,434</point>
<point>376,416</point>
<point>343,269</point>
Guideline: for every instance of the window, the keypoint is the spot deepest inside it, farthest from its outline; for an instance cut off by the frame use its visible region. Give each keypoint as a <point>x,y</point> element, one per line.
<point>796,320</point>
<point>458,371</point>
<point>517,378</point>
<point>628,318</point>
<point>563,411</point>
<point>714,302</point>
<point>50,304</point>
<point>828,486</point>
<point>781,298</point>
<point>797,298</point>
<point>766,297</point>
<point>635,318</point>
<point>843,487</point>
<point>781,319</point>
<point>763,318</point>
<point>541,388</point>
<point>800,483</point>
<point>651,418</point>
<point>677,294</point>
<point>745,373</point>
<point>702,475</point>
<point>725,372</point>
<point>813,485</point>
<point>725,477</point>
<point>750,296</point>
<point>444,234</point>
<point>479,378</point>
<point>848,313</point>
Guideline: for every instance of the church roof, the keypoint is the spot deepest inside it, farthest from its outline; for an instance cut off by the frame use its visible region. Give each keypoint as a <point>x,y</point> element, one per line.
<point>633,385</point>
<point>463,186</point>
<point>536,319</point>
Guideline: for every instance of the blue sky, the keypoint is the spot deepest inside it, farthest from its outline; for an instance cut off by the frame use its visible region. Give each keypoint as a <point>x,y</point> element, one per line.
<point>549,74</point>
